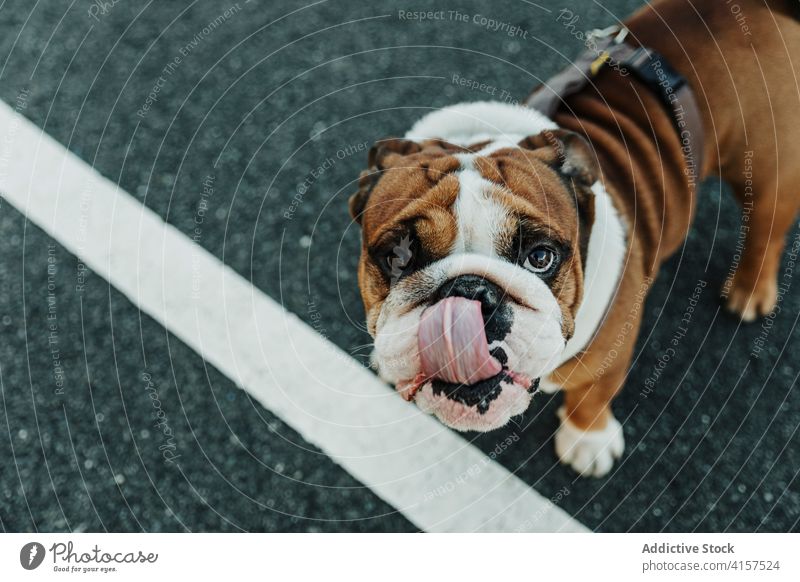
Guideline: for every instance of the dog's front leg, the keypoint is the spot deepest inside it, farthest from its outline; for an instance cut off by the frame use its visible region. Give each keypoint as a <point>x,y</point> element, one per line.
<point>589,438</point>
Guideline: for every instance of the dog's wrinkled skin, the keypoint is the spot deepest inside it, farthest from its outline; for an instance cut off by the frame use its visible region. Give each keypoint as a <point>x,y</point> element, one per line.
<point>475,211</point>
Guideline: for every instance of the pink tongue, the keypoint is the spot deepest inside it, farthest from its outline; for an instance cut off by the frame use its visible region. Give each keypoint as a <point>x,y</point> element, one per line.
<point>452,342</point>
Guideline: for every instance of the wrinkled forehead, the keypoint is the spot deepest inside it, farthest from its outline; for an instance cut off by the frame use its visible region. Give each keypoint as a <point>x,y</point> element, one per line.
<point>470,197</point>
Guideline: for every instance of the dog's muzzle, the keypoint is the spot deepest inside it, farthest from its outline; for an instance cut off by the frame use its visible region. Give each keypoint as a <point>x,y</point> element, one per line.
<point>455,335</point>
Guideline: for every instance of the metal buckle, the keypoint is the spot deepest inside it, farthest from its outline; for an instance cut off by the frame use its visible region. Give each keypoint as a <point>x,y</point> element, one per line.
<point>599,33</point>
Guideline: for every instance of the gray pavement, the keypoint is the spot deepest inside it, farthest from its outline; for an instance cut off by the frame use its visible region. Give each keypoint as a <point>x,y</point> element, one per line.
<point>277,102</point>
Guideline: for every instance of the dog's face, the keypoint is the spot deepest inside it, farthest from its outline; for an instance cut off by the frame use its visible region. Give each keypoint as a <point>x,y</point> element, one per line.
<point>471,269</point>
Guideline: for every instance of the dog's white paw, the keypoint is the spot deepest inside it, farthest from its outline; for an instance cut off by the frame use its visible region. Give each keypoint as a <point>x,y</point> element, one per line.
<point>589,452</point>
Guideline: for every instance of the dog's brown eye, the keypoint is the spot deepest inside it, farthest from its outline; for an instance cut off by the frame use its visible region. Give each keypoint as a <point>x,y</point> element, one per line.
<point>540,260</point>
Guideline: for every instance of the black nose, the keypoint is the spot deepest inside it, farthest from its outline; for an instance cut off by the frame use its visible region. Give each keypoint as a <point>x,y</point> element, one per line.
<point>473,287</point>
<point>497,315</point>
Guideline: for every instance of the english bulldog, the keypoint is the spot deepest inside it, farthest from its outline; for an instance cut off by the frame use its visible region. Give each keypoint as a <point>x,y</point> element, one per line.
<point>506,251</point>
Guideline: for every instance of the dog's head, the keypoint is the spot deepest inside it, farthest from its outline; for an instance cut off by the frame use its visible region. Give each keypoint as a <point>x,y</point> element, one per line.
<point>472,266</point>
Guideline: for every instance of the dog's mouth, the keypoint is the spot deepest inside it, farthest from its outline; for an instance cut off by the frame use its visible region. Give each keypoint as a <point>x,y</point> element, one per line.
<point>453,345</point>
<point>483,406</point>
<point>460,368</point>
<point>479,394</point>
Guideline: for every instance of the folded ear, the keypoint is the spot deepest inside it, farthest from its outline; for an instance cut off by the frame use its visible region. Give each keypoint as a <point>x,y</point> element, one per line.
<point>358,201</point>
<point>379,154</point>
<point>380,158</point>
<point>572,155</point>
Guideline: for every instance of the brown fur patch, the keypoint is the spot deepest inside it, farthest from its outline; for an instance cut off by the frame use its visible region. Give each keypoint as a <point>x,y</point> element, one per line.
<point>414,192</point>
<point>417,191</point>
<point>538,200</point>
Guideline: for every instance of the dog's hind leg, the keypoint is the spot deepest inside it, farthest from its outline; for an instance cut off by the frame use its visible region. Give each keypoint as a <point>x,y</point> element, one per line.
<point>769,212</point>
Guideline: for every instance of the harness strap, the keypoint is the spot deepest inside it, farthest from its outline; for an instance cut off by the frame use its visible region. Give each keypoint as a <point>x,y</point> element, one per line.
<point>608,49</point>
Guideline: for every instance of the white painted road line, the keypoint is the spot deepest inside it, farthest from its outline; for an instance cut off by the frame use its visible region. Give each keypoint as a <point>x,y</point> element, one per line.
<point>434,477</point>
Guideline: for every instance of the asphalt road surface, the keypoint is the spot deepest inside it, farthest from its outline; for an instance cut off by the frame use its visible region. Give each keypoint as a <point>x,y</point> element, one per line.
<point>256,116</point>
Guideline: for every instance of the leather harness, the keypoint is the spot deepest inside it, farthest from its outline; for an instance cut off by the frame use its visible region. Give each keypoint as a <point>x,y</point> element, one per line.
<point>607,48</point>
